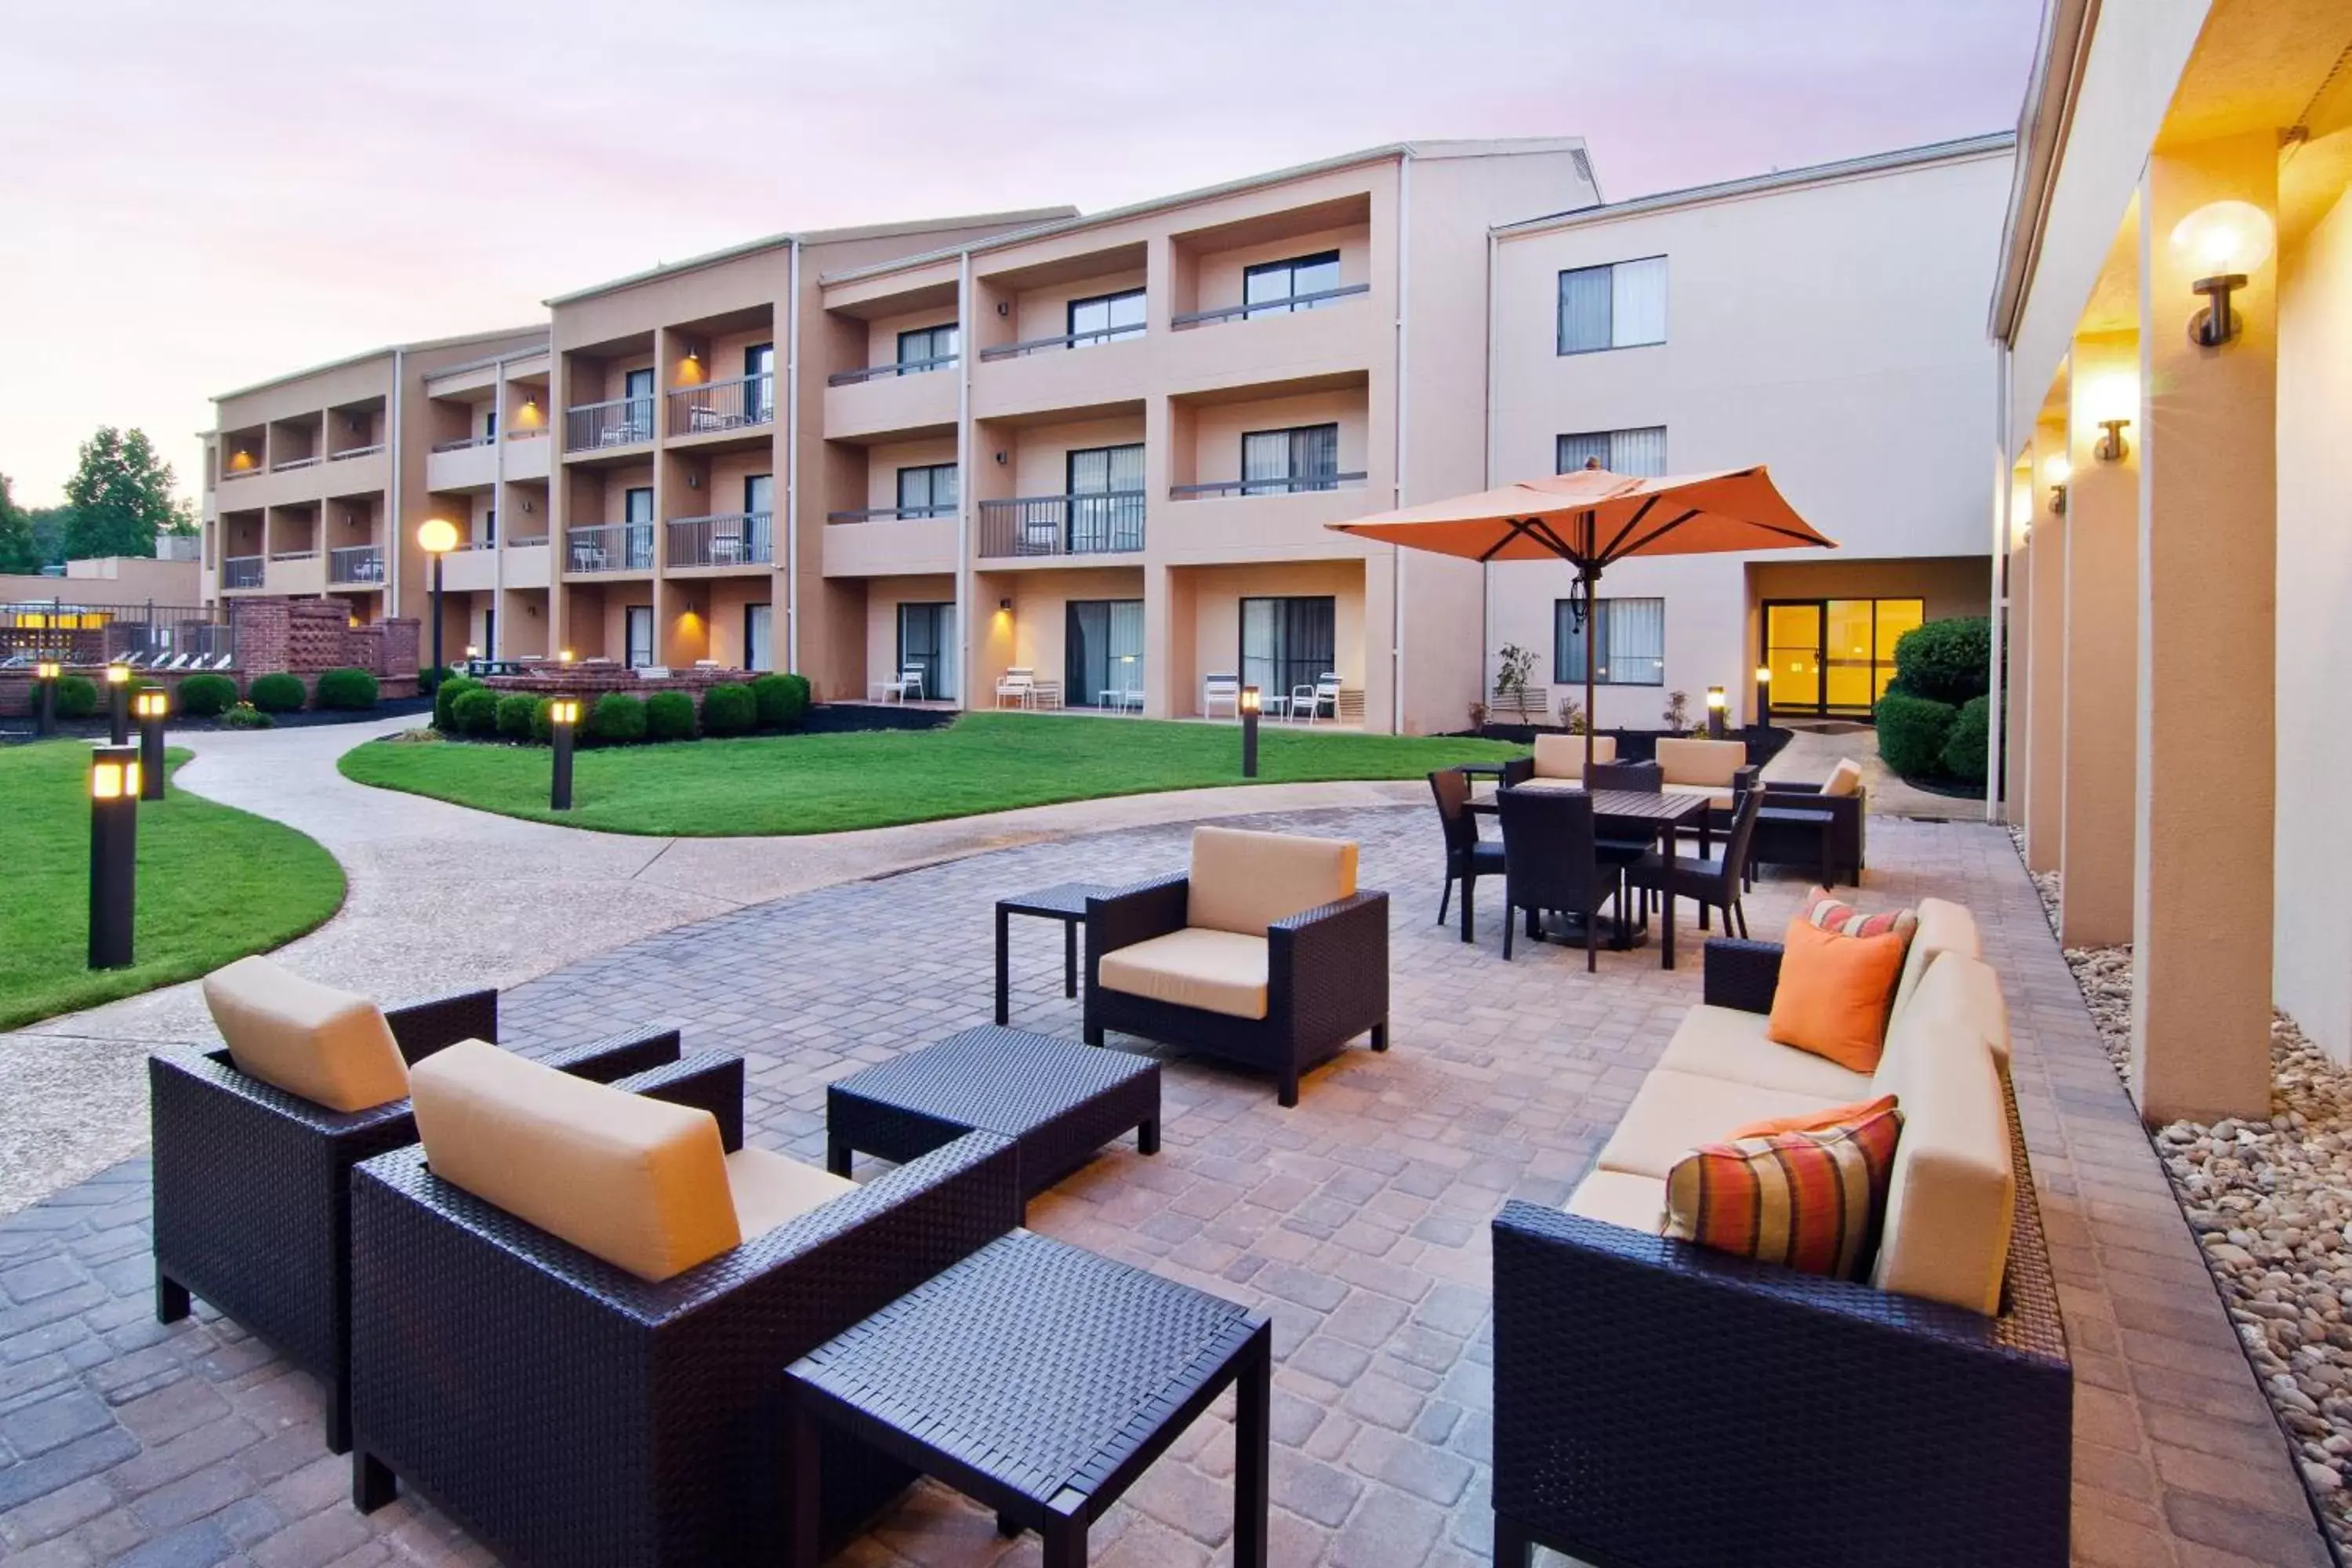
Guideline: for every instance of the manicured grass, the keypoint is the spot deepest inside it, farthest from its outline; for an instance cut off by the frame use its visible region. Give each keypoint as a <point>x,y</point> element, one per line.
<point>824,783</point>
<point>214,885</point>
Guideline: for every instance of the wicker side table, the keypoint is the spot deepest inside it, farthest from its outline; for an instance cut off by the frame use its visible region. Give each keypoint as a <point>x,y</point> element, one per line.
<point>1063,901</point>
<point>1040,1380</point>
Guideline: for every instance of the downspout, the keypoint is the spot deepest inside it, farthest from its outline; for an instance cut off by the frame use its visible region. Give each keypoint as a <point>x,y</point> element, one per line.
<point>395,523</point>
<point>793,466</point>
<point>2004,525</point>
<point>966,350</point>
<point>1396,590</point>
<point>498,504</point>
<point>1486,568</point>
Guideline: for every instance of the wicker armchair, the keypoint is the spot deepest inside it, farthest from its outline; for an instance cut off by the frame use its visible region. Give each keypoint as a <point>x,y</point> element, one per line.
<point>566,1411</point>
<point>252,1184</point>
<point>1788,834</point>
<point>1657,1403</point>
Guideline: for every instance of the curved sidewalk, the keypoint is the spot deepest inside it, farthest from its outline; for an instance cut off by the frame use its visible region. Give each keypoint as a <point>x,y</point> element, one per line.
<point>442,897</point>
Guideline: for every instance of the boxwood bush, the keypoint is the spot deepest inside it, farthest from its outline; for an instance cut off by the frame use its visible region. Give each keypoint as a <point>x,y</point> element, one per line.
<point>1912,731</point>
<point>515,712</point>
<point>476,712</point>
<point>277,693</point>
<point>350,690</point>
<point>669,716</point>
<point>728,709</point>
<point>77,697</point>
<point>617,719</point>
<point>783,700</point>
<point>1946,661</point>
<point>207,696</point>
<point>445,698</point>
<point>1967,751</point>
<point>543,719</point>
<point>430,679</point>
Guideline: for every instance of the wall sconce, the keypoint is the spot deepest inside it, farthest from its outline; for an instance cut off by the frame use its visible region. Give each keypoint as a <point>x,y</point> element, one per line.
<point>1004,605</point>
<point>2056,469</point>
<point>2225,240</point>
<point>2112,447</point>
<point>693,481</point>
<point>1004,308</point>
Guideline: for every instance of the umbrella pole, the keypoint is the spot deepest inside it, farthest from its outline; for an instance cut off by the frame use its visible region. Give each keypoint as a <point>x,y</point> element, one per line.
<point>1592,608</point>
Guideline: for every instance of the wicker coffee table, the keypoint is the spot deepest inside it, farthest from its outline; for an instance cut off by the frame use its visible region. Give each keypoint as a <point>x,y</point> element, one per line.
<point>1058,1100</point>
<point>1040,1380</point>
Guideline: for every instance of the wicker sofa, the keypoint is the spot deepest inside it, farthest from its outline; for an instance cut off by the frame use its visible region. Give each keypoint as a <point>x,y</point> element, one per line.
<point>1265,953</point>
<point>1657,1404</point>
<point>252,1183</point>
<point>1558,762</point>
<point>567,1409</point>
<point>1718,770</point>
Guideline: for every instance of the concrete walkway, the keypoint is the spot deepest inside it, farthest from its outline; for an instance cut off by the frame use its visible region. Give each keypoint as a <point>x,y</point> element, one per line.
<point>443,897</point>
<point>1810,755</point>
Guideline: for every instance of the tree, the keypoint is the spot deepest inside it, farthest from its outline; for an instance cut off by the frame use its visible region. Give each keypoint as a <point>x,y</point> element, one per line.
<point>120,496</point>
<point>19,554</point>
<point>48,524</point>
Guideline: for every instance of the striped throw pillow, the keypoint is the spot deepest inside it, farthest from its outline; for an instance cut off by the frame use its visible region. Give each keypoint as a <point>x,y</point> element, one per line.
<point>1811,1201</point>
<point>1827,910</point>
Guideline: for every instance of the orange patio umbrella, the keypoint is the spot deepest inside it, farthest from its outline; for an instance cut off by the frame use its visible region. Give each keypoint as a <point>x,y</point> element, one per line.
<point>1591,518</point>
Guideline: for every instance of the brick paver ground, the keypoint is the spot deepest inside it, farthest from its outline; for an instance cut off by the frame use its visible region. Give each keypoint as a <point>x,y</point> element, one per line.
<point>1358,1220</point>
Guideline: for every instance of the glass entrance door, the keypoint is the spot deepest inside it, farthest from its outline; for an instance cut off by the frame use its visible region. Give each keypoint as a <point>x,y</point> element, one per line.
<point>1834,656</point>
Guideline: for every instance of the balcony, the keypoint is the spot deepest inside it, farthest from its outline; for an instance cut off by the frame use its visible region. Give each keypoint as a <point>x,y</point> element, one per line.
<point>897,368</point>
<point>719,407</point>
<point>617,422</point>
<point>356,566</point>
<point>240,572</point>
<point>288,465</point>
<point>1087,338</point>
<point>1286,305</point>
<point>889,541</point>
<point>892,402</point>
<point>1282,486</point>
<point>725,539</point>
<point>1105,523</point>
<point>610,547</point>
<point>467,463</point>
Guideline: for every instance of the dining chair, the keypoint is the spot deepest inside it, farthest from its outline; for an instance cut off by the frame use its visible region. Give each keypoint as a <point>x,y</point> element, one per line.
<point>1711,884</point>
<point>1550,862</point>
<point>1617,851</point>
<point>1468,855</point>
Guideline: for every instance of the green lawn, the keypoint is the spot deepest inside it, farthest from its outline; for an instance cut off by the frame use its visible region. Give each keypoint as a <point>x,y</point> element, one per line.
<point>214,885</point>
<point>824,783</point>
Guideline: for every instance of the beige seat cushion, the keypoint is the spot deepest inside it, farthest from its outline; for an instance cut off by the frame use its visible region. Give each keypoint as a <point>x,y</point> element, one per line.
<point>1618,1197</point>
<point>1675,1112</point>
<point>1214,971</point>
<point>1562,756</point>
<point>1952,1198</point>
<point>1706,763</point>
<point>1244,882</point>
<point>1845,779</point>
<point>329,1047</point>
<point>1957,990</point>
<point>1720,798</point>
<point>768,1189</point>
<point>1944,927</point>
<point>1728,1043</point>
<point>1543,786</point>
<point>639,1183</point>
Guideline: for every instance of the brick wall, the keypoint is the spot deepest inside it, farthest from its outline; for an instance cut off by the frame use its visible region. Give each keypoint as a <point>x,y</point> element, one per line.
<point>595,679</point>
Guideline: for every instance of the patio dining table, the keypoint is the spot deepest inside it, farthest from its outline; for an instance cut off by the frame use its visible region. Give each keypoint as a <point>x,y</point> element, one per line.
<point>1629,813</point>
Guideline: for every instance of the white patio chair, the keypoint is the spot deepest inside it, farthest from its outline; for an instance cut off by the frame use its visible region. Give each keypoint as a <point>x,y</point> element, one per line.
<point>1325,692</point>
<point>1019,683</point>
<point>1224,688</point>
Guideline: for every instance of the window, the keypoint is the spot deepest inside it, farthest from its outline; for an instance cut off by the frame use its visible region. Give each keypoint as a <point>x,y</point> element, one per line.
<point>927,348</point>
<point>1617,306</point>
<point>1106,499</point>
<point>490,424</point>
<point>489,527</point>
<point>1107,318</point>
<point>1277,462</point>
<point>637,536</point>
<point>1288,643</point>
<point>637,636</point>
<point>1102,652</point>
<point>1629,643</point>
<point>928,490</point>
<point>1640,453</point>
<point>758,384</point>
<point>1272,287</point>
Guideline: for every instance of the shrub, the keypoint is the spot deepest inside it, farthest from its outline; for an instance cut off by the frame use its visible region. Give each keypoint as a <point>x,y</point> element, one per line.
<point>617,719</point>
<point>430,679</point>
<point>246,716</point>
<point>1968,750</point>
<point>1912,731</point>
<point>729,710</point>
<point>348,690</point>
<point>77,697</point>
<point>543,720</point>
<point>1946,661</point>
<point>207,696</point>
<point>669,716</point>
<point>515,712</point>
<point>445,698</point>
<point>476,712</point>
<point>783,700</point>
<point>277,693</point>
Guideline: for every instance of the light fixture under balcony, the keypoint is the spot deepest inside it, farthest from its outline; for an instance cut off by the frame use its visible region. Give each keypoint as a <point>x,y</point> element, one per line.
<point>2226,241</point>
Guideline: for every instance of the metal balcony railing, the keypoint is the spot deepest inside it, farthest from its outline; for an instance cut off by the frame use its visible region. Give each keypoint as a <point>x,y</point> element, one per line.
<point>1282,486</point>
<point>882,372</point>
<point>892,513</point>
<point>725,539</point>
<point>367,451</point>
<point>463,443</point>
<point>294,554</point>
<point>1098,524</point>
<point>241,571</point>
<point>738,405</point>
<point>244,473</point>
<point>621,422</point>
<point>312,461</point>
<point>358,563</point>
<point>1285,306</point>
<point>610,547</point>
<point>1066,341</point>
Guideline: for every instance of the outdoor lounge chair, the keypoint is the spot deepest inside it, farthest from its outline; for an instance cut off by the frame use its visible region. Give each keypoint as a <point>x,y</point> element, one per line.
<point>566,1408</point>
<point>1265,955</point>
<point>1815,825</point>
<point>1019,683</point>
<point>252,1180</point>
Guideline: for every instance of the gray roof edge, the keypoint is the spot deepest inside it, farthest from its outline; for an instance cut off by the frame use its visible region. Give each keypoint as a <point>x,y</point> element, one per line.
<point>422,345</point>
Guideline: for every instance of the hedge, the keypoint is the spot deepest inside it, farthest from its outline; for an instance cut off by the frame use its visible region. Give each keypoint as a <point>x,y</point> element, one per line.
<point>76,697</point>
<point>1912,731</point>
<point>275,693</point>
<point>515,713</point>
<point>617,719</point>
<point>1946,661</point>
<point>783,700</point>
<point>669,716</point>
<point>1968,750</point>
<point>445,695</point>
<point>543,719</point>
<point>430,678</point>
<point>207,696</point>
<point>351,691</point>
<point>728,709</point>
<point>476,712</point>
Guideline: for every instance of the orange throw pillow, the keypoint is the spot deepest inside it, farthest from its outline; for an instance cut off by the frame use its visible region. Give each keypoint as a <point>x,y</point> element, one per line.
<point>1834,992</point>
<point>1813,1120</point>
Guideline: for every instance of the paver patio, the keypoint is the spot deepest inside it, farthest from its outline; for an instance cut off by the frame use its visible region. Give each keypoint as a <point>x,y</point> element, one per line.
<point>1358,1221</point>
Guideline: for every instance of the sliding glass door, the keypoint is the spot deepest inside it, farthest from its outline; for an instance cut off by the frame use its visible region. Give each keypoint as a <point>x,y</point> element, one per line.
<point>1288,643</point>
<point>926,641</point>
<point>1106,499</point>
<point>1103,653</point>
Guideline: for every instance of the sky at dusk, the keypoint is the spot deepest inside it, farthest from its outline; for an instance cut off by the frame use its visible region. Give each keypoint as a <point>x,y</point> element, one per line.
<point>192,198</point>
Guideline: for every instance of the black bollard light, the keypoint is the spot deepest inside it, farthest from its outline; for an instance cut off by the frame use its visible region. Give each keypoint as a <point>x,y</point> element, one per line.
<point>152,705</point>
<point>118,698</point>
<point>1763,695</point>
<point>562,713</point>
<point>45,702</point>
<point>113,853</point>
<point>1715,702</point>
<point>1249,732</point>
